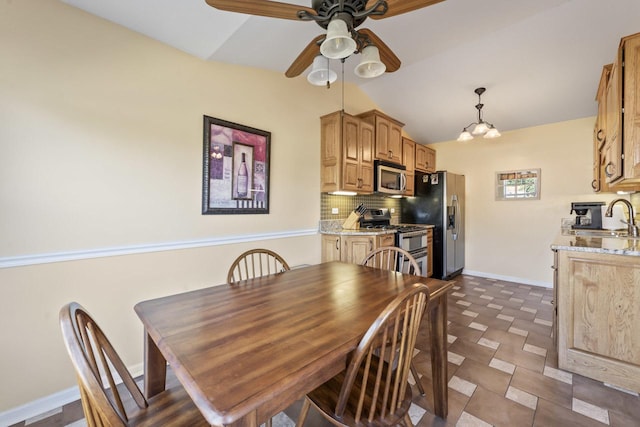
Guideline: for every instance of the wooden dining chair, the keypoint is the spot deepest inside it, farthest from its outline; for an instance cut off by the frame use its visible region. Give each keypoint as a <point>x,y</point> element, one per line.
<point>396,259</point>
<point>256,263</point>
<point>374,390</point>
<point>97,366</point>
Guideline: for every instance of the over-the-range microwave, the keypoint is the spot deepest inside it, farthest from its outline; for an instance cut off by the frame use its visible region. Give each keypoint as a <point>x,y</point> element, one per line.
<point>390,178</point>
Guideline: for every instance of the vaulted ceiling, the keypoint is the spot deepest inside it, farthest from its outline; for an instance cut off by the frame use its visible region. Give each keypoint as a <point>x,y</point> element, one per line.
<point>540,60</point>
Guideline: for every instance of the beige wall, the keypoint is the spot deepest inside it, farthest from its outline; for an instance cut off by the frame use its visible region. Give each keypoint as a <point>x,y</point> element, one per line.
<point>101,147</point>
<point>511,239</point>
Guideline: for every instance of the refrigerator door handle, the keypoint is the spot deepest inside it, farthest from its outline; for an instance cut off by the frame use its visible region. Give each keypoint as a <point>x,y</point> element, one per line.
<point>456,214</point>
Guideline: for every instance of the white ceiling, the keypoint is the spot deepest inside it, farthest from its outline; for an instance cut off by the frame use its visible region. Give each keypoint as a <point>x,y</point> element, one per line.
<point>540,60</point>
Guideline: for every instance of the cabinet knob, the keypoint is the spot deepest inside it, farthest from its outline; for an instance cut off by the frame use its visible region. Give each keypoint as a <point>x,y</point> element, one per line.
<point>337,244</point>
<point>610,169</point>
<point>594,184</point>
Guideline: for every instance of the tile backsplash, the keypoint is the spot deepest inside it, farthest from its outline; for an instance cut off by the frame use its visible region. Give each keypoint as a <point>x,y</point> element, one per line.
<point>346,204</point>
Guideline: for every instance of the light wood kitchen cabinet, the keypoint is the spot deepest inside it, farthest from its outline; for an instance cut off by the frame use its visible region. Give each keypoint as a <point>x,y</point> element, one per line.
<point>409,162</point>
<point>388,135</point>
<point>346,154</point>
<point>619,153</point>
<point>599,132</point>
<point>425,158</point>
<point>429,271</point>
<point>598,304</point>
<point>352,248</point>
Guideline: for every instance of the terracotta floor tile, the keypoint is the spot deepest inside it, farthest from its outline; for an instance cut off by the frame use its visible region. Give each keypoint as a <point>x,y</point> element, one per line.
<point>490,378</point>
<point>522,358</point>
<point>609,398</point>
<point>544,387</point>
<point>549,414</point>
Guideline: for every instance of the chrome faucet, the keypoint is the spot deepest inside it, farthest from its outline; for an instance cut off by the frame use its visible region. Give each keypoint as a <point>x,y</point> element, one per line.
<point>631,225</point>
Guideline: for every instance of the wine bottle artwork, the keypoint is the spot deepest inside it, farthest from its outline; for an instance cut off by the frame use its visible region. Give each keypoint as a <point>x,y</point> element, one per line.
<point>243,178</point>
<point>235,177</point>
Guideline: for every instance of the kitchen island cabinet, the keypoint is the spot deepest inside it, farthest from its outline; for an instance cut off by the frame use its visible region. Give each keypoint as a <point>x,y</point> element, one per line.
<point>346,154</point>
<point>598,308</point>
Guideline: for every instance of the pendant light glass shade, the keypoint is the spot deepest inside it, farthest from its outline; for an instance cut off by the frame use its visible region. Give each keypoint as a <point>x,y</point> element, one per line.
<point>492,133</point>
<point>339,43</point>
<point>465,136</point>
<point>480,128</point>
<point>320,72</point>
<point>370,65</point>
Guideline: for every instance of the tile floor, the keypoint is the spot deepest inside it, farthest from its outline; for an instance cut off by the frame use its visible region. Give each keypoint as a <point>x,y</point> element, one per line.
<point>502,369</point>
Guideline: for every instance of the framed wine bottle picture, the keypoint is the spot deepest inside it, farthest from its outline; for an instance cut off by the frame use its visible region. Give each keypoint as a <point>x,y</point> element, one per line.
<point>235,168</point>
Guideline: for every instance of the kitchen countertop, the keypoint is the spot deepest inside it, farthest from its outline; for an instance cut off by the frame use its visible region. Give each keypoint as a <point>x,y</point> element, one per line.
<point>334,227</point>
<point>604,245</point>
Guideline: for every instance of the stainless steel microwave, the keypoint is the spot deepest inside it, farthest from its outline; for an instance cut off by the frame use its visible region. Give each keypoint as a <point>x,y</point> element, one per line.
<point>390,178</point>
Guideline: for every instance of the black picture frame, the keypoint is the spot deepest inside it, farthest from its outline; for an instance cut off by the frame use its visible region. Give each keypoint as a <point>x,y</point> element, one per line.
<point>225,145</point>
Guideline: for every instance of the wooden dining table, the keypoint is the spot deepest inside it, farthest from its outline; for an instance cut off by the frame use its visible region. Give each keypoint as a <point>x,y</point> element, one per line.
<point>247,351</point>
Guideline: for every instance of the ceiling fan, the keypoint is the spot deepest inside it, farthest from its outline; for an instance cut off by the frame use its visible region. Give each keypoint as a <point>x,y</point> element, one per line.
<point>340,18</point>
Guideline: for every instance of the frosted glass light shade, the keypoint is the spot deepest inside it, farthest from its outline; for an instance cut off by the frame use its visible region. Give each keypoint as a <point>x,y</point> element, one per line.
<point>492,133</point>
<point>480,128</point>
<point>338,43</point>
<point>370,65</point>
<point>465,136</point>
<point>320,72</point>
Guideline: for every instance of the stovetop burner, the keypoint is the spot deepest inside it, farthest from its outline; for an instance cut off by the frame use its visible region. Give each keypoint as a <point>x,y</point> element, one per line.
<point>380,219</point>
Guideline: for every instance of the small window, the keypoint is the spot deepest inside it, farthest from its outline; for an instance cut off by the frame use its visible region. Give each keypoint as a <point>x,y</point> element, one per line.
<point>518,185</point>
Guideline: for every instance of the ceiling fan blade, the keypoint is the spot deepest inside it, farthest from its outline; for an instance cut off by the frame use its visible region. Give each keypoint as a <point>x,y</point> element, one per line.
<point>272,9</point>
<point>305,58</point>
<point>388,58</point>
<point>397,7</point>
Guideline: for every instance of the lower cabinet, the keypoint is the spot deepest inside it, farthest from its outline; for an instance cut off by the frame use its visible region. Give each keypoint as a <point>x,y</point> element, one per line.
<point>429,271</point>
<point>598,303</point>
<point>352,248</point>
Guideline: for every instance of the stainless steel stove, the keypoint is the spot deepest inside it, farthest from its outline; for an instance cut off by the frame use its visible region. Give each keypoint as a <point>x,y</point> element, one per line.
<point>412,238</point>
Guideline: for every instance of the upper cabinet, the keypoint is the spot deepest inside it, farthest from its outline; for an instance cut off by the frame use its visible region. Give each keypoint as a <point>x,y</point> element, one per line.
<point>409,162</point>
<point>388,135</point>
<point>617,128</point>
<point>425,158</point>
<point>347,154</point>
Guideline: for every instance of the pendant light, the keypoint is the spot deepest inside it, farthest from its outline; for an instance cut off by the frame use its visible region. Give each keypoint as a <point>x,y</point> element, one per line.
<point>481,127</point>
<point>321,74</point>
<point>370,65</point>
<point>338,44</point>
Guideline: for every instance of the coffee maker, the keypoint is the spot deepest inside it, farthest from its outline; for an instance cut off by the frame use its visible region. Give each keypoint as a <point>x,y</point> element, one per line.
<point>588,215</point>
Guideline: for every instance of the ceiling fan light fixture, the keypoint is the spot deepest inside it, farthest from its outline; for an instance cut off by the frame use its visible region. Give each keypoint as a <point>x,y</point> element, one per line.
<point>338,44</point>
<point>321,73</point>
<point>370,65</point>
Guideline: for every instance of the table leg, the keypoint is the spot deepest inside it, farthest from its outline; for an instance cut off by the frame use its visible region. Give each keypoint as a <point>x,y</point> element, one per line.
<point>155,368</point>
<point>438,334</point>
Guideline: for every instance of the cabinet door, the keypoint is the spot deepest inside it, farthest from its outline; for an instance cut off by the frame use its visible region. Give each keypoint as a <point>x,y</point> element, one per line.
<point>330,142</point>
<point>385,240</point>
<point>425,159</point>
<point>632,108</point>
<point>598,314</point>
<point>351,153</point>
<point>383,130</point>
<point>429,272</point>
<point>395,143</point>
<point>409,161</point>
<point>330,248</point>
<point>355,248</point>
<point>366,158</point>
<point>613,146</point>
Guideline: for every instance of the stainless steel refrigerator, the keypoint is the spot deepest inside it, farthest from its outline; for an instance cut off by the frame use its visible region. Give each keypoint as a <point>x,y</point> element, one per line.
<point>439,200</point>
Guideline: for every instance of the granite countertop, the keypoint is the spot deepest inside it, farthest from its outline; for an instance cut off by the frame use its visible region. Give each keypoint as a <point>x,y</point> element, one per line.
<point>334,227</point>
<point>596,244</point>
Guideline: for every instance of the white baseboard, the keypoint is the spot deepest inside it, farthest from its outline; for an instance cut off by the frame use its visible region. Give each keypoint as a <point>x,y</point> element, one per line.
<point>521,280</point>
<point>51,402</point>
